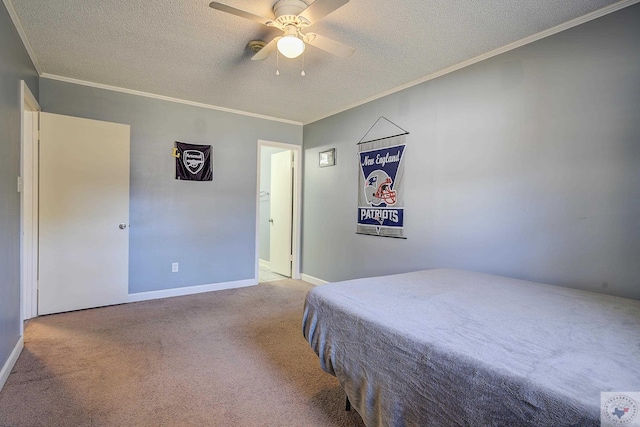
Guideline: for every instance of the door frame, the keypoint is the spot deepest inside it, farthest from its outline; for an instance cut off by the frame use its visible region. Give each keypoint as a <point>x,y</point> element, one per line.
<point>296,228</point>
<point>28,235</point>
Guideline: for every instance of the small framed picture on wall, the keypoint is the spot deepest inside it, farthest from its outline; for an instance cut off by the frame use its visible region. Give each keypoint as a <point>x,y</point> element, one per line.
<point>327,158</point>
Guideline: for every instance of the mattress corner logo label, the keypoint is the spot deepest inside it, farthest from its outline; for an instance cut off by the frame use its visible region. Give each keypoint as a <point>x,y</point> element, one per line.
<point>379,169</point>
<point>193,160</point>
<point>620,408</point>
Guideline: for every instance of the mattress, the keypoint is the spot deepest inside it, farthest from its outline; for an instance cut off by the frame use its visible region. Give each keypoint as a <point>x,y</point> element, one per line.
<point>449,347</point>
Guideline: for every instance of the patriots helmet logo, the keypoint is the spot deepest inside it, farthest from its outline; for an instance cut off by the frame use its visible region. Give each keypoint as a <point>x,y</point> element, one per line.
<point>379,189</point>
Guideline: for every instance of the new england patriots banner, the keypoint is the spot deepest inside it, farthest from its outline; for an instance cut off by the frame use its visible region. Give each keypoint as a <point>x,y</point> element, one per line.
<point>381,187</point>
<point>193,162</point>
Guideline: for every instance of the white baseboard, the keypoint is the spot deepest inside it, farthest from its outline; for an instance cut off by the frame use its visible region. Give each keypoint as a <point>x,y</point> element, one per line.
<point>189,290</point>
<point>265,264</point>
<point>312,280</point>
<point>11,361</point>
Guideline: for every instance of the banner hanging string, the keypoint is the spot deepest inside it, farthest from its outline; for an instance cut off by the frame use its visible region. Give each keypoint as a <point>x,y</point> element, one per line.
<point>404,132</point>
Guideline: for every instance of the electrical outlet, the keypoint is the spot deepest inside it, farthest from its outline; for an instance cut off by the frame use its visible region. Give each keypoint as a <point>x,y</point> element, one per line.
<point>174,267</point>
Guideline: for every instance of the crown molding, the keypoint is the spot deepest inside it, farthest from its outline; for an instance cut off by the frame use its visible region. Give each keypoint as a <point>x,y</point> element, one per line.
<point>166,98</point>
<point>527,40</point>
<point>22,34</point>
<point>530,39</point>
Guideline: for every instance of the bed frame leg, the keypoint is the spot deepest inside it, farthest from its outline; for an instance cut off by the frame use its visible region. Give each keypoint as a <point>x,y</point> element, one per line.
<point>347,406</point>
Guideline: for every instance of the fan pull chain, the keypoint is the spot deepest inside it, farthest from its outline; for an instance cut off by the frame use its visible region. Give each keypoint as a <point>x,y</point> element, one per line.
<point>277,63</point>
<point>302,73</point>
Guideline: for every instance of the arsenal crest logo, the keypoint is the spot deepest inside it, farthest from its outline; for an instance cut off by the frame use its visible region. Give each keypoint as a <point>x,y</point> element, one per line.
<point>193,160</point>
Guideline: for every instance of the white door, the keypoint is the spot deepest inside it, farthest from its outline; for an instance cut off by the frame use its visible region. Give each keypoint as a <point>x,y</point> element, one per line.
<point>29,210</point>
<point>84,213</point>
<point>281,213</point>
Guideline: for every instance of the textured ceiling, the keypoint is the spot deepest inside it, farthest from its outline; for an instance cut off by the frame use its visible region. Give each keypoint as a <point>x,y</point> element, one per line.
<point>186,50</point>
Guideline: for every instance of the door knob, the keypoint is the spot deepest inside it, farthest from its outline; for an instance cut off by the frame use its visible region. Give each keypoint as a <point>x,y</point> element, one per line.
<point>122,226</point>
<point>271,220</point>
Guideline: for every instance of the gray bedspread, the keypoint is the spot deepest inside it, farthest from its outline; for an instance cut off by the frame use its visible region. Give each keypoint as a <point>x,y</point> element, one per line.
<point>449,348</point>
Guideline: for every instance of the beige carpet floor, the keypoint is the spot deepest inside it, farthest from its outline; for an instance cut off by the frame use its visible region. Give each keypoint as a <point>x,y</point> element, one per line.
<point>226,358</point>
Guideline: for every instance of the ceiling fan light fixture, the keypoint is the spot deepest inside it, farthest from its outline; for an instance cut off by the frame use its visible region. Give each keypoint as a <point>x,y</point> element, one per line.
<point>291,46</point>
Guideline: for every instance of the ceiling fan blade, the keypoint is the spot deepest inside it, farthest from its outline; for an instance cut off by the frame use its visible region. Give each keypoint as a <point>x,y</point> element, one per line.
<point>266,51</point>
<point>232,10</point>
<point>321,8</point>
<point>328,45</point>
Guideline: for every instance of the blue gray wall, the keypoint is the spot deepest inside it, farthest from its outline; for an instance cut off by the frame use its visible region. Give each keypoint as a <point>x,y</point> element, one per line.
<point>15,65</point>
<point>525,165</point>
<point>208,227</point>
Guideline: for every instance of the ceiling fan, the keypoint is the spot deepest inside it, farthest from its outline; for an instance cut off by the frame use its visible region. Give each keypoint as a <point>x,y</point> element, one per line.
<point>292,17</point>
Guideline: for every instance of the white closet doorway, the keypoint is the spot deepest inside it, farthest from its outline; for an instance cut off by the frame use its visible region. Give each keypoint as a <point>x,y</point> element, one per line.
<point>277,242</point>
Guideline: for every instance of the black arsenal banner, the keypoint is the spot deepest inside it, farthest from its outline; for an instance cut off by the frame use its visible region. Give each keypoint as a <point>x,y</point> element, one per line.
<point>194,162</point>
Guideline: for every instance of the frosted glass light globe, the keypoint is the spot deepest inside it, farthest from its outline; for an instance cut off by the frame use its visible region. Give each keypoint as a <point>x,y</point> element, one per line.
<point>290,46</point>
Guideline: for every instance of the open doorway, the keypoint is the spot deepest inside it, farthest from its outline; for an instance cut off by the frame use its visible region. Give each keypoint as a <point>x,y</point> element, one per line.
<point>278,211</point>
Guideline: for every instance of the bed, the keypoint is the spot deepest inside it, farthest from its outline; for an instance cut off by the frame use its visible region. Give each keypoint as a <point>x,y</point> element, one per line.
<point>449,347</point>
